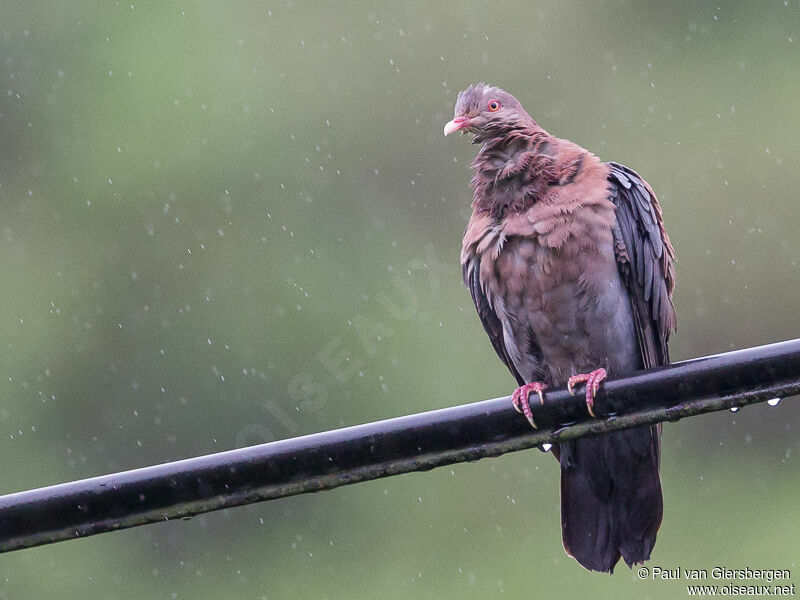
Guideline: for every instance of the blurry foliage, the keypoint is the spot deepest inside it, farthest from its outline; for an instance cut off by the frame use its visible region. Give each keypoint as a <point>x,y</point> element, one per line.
<point>228,222</point>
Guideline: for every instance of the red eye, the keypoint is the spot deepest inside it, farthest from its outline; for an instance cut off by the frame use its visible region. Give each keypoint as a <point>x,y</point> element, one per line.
<point>494,105</point>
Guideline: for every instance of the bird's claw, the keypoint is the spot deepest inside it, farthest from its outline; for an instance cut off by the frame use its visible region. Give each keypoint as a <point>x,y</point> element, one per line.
<point>593,381</point>
<point>520,399</point>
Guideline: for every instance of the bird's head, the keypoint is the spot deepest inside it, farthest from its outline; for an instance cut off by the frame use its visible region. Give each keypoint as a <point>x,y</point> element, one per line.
<point>484,109</point>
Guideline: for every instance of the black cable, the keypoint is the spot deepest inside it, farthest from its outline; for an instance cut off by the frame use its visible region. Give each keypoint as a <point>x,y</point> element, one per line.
<point>412,443</point>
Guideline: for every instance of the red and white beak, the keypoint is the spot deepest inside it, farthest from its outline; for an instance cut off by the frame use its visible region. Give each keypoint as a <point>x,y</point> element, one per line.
<point>455,125</point>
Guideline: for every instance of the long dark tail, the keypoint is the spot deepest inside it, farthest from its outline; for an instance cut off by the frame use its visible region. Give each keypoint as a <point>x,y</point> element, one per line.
<point>611,502</point>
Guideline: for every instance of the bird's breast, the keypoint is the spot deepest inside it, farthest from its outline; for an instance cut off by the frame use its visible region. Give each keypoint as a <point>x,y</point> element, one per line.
<point>567,298</point>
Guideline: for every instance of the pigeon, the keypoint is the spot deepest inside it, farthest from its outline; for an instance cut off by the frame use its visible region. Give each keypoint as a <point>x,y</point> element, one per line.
<point>571,272</point>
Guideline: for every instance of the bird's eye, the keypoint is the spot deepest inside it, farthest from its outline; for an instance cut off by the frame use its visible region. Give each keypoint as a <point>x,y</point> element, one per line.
<point>494,105</point>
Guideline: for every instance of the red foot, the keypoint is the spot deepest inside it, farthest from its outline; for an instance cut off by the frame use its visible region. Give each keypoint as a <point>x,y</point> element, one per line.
<point>593,381</point>
<point>520,399</point>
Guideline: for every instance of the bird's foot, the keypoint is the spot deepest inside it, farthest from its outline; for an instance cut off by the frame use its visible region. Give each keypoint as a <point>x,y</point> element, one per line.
<point>520,399</point>
<point>593,381</point>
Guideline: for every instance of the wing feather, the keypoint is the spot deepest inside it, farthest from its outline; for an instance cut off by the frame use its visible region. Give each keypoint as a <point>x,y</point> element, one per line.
<point>646,261</point>
<point>470,271</point>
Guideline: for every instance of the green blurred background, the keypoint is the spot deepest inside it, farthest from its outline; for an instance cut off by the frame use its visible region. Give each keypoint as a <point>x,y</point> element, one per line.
<point>225,223</point>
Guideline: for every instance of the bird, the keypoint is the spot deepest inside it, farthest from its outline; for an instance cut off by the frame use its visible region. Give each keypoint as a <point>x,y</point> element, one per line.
<point>572,273</point>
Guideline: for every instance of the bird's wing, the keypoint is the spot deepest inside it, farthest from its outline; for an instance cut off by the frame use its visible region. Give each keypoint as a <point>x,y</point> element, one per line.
<point>470,270</point>
<point>646,261</point>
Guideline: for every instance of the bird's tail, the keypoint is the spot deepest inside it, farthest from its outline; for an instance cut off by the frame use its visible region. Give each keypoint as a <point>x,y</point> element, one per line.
<point>611,502</point>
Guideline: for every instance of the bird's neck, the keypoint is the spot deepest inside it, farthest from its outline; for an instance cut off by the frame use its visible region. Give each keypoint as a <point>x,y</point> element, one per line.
<point>512,170</point>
